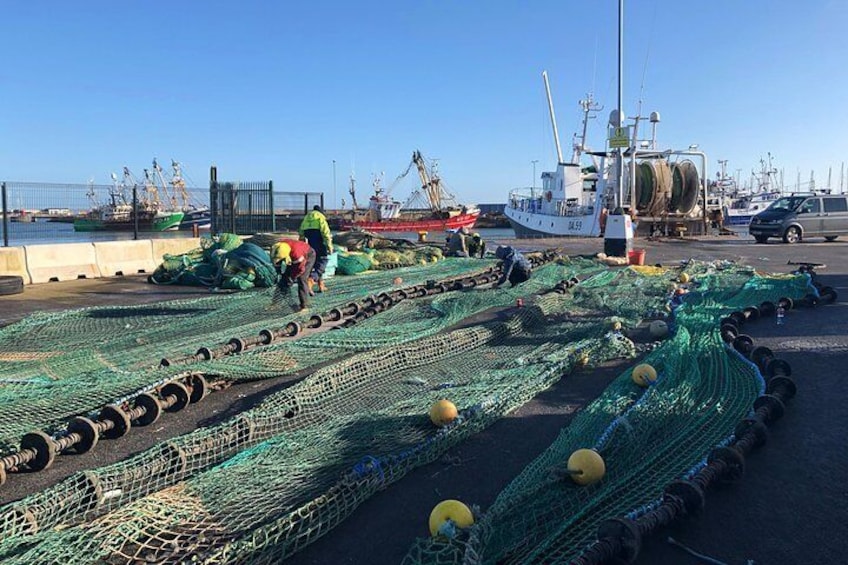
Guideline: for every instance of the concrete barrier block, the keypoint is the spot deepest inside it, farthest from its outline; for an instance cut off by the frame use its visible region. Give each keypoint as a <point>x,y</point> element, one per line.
<point>173,246</point>
<point>13,262</point>
<point>61,262</point>
<point>123,258</point>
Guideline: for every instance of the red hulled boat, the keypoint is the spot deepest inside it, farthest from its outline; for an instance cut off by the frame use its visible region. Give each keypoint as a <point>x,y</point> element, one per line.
<point>385,214</point>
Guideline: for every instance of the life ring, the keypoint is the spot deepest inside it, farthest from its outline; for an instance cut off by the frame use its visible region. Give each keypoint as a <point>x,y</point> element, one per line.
<point>549,196</point>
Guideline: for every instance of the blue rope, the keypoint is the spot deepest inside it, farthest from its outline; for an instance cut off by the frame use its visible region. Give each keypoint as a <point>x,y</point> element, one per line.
<point>621,419</point>
<point>368,465</point>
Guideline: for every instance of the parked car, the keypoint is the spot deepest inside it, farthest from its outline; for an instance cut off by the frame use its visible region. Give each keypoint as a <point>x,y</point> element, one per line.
<point>800,216</point>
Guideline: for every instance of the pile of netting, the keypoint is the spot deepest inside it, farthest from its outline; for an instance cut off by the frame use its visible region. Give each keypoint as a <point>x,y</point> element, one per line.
<point>54,366</point>
<point>271,480</point>
<point>226,261</point>
<point>647,437</point>
<point>223,261</point>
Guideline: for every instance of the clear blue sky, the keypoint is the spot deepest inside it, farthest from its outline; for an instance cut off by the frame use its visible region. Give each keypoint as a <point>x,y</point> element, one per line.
<point>277,90</point>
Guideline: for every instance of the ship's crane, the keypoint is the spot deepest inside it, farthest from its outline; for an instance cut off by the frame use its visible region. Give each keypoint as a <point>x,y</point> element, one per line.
<point>172,198</point>
<point>178,184</point>
<point>430,184</point>
<point>151,198</point>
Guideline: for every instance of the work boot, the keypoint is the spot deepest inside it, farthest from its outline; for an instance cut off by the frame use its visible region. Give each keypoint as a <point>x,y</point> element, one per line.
<point>309,284</point>
<point>321,286</point>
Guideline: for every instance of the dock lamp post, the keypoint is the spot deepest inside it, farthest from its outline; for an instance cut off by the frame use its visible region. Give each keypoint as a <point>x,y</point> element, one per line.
<point>334,183</point>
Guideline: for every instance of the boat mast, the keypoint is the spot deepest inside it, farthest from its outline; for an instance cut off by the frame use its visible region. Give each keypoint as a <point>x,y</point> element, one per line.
<point>151,192</point>
<point>553,117</point>
<point>171,197</point>
<point>179,184</point>
<point>352,191</point>
<point>588,105</point>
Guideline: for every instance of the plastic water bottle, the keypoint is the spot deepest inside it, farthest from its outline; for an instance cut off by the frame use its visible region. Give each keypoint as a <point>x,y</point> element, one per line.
<point>781,313</point>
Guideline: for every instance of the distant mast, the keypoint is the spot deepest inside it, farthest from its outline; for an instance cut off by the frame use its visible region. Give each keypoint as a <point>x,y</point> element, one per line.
<point>553,118</point>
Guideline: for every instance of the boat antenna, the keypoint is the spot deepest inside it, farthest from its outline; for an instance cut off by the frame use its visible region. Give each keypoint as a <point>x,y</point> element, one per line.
<point>553,117</point>
<point>654,122</point>
<point>594,63</point>
<point>619,114</point>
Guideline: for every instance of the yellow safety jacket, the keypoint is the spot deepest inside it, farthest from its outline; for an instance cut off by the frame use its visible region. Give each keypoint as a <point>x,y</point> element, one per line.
<point>315,220</point>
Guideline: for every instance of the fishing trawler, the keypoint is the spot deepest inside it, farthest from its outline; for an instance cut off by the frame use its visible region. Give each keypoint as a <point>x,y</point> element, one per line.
<point>661,189</point>
<point>195,216</point>
<point>118,214</point>
<point>438,211</point>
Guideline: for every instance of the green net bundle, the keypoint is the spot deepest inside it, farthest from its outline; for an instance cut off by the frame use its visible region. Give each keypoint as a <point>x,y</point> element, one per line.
<point>224,261</point>
<point>353,263</point>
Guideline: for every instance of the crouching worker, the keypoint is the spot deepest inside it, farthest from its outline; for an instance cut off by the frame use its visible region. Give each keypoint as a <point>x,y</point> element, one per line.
<point>294,261</point>
<point>516,267</point>
<point>458,243</point>
<point>476,246</point>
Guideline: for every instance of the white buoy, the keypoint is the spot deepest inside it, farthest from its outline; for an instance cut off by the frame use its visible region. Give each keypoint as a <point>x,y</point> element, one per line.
<point>658,329</point>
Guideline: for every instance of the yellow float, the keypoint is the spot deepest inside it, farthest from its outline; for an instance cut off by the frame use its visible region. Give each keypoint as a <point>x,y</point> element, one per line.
<point>684,278</point>
<point>586,466</point>
<point>443,412</point>
<point>643,374</point>
<point>450,510</point>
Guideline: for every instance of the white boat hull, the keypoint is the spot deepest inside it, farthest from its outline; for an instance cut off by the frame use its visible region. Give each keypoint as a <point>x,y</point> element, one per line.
<point>532,225</point>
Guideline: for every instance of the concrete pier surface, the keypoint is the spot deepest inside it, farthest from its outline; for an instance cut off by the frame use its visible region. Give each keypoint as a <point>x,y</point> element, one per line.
<point>788,508</point>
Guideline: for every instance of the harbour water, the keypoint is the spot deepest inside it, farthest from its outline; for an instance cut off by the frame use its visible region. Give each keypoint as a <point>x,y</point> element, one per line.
<point>43,232</point>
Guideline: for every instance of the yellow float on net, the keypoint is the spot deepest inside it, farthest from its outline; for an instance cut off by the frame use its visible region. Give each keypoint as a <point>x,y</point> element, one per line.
<point>643,374</point>
<point>586,466</point>
<point>616,326</point>
<point>684,278</point>
<point>450,510</point>
<point>443,412</point>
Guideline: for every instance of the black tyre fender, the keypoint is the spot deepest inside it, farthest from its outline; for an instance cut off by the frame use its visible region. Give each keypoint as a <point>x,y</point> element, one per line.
<point>11,284</point>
